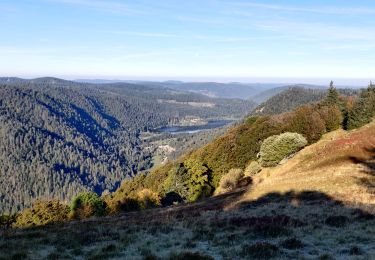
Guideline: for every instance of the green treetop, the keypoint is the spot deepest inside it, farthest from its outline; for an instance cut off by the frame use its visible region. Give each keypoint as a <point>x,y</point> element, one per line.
<point>333,96</point>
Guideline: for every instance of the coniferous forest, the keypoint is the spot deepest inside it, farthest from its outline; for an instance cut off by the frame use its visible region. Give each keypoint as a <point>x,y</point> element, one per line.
<point>59,138</point>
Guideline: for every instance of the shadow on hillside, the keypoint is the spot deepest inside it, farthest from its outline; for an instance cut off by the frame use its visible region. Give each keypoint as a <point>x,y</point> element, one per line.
<point>369,163</point>
<point>272,204</point>
<point>369,168</point>
<point>272,215</point>
<point>301,208</point>
<point>291,197</point>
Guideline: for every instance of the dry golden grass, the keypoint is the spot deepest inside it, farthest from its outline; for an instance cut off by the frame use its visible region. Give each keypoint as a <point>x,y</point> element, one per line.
<point>339,165</point>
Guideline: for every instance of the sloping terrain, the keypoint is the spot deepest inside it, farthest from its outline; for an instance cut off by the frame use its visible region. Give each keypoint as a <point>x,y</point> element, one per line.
<point>317,205</point>
<point>289,99</point>
<point>268,93</point>
<point>293,97</point>
<point>340,165</point>
<point>58,138</point>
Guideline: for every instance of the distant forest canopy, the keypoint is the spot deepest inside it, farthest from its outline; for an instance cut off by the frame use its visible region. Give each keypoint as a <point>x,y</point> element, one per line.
<point>296,96</point>
<point>59,138</point>
<point>258,92</point>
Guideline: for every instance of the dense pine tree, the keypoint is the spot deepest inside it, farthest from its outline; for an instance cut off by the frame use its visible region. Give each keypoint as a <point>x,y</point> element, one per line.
<point>363,109</point>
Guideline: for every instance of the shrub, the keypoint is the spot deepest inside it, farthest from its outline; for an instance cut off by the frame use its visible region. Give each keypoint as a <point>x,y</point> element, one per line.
<point>251,120</point>
<point>199,180</point>
<point>43,213</point>
<point>253,168</point>
<point>306,121</point>
<point>190,180</point>
<point>148,199</point>
<point>170,199</point>
<point>331,116</point>
<point>277,147</point>
<point>87,204</point>
<point>6,221</point>
<point>230,181</point>
<point>125,204</point>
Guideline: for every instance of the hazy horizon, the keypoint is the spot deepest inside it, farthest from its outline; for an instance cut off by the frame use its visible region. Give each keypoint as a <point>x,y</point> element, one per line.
<point>313,81</point>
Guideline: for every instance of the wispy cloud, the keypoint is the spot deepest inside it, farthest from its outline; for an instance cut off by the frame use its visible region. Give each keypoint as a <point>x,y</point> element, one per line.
<point>108,6</point>
<point>148,34</point>
<point>205,20</point>
<point>320,31</point>
<point>191,36</point>
<point>317,10</point>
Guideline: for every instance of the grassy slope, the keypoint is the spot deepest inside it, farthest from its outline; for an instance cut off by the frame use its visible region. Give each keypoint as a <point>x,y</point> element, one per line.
<point>314,206</point>
<point>340,165</point>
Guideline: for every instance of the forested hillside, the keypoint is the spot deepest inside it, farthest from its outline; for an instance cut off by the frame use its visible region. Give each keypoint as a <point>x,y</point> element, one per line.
<point>221,90</point>
<point>58,138</point>
<point>294,97</point>
<point>212,89</point>
<point>199,173</point>
<point>285,178</point>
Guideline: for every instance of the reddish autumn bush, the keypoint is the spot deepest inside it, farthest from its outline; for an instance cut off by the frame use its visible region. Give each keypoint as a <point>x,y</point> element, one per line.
<point>308,122</point>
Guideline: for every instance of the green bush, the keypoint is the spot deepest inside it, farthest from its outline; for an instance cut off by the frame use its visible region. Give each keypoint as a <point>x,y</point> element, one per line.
<point>6,221</point>
<point>230,180</point>
<point>148,199</point>
<point>190,179</point>
<point>277,147</point>
<point>87,204</point>
<point>251,120</point>
<point>253,168</point>
<point>42,213</point>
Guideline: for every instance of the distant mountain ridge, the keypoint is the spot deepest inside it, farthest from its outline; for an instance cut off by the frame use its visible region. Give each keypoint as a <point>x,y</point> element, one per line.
<point>257,92</point>
<point>212,89</point>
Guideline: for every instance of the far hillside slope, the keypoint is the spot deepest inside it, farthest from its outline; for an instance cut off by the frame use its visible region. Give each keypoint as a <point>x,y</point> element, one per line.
<point>268,93</point>
<point>289,99</point>
<point>293,97</point>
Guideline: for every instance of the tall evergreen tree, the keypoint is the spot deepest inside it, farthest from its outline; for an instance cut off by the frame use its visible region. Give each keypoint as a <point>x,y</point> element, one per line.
<point>363,109</point>
<point>332,96</point>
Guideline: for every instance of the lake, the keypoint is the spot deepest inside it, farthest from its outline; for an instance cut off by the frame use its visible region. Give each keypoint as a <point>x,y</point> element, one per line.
<point>193,129</point>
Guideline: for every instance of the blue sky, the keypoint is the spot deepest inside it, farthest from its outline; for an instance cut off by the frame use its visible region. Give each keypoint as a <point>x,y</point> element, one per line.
<point>223,40</point>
